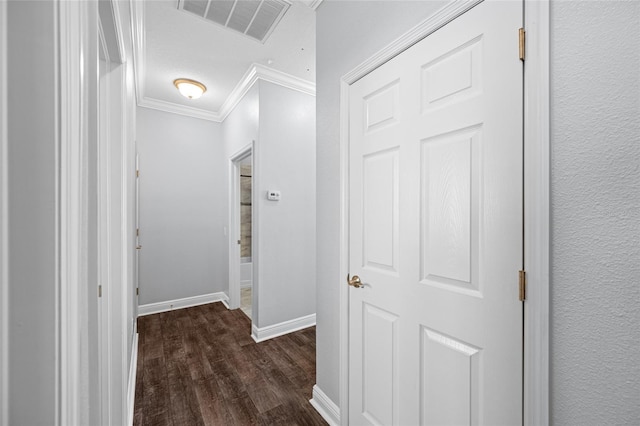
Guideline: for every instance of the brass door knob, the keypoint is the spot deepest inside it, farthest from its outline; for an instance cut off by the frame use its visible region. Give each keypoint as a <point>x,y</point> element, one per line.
<point>355,281</point>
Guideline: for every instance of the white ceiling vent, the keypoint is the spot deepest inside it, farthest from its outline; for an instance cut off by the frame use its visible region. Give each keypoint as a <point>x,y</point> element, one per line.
<point>254,18</point>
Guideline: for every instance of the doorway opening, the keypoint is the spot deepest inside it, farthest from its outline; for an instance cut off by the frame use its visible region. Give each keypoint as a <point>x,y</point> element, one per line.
<point>243,281</point>
<point>245,170</point>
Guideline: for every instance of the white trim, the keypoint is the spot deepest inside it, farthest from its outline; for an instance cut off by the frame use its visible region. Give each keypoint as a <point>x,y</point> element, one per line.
<point>187,302</point>
<point>325,406</point>
<point>133,371</point>
<point>115,8</point>
<point>254,73</point>
<point>126,227</point>
<point>75,24</point>
<point>4,236</point>
<point>104,209</point>
<point>344,252</point>
<point>171,107</point>
<point>139,41</point>
<point>260,72</point>
<point>537,211</point>
<point>285,327</point>
<point>225,302</point>
<point>246,283</point>
<point>234,222</point>
<point>536,392</point>
<point>315,4</point>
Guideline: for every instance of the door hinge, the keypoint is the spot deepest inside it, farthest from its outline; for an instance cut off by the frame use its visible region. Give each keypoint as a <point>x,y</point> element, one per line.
<point>137,291</point>
<point>137,173</point>
<point>521,42</point>
<point>522,284</point>
<point>137,232</point>
<point>100,291</point>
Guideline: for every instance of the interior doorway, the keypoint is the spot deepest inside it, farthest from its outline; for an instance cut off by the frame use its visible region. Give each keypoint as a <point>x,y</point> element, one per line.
<point>245,170</point>
<point>242,232</point>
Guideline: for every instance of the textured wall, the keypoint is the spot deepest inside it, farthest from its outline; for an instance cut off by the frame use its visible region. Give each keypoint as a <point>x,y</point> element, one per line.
<point>595,187</point>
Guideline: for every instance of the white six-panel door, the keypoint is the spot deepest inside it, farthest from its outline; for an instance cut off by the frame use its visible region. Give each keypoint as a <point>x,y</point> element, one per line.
<point>435,176</point>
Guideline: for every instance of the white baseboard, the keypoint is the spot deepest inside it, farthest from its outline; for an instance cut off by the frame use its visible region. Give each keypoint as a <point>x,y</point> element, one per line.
<point>325,406</point>
<point>246,283</point>
<point>269,332</point>
<point>170,305</point>
<point>225,301</point>
<point>133,371</point>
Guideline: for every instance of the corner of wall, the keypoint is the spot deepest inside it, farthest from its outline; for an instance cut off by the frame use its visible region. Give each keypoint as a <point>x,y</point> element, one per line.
<point>325,406</point>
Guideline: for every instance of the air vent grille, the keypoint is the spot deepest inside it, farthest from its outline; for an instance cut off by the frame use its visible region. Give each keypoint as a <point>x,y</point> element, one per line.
<point>253,18</point>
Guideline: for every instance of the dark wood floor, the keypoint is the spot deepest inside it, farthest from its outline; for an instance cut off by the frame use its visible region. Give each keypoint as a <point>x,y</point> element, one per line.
<point>199,366</point>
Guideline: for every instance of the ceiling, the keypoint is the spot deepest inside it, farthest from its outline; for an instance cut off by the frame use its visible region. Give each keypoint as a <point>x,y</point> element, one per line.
<point>171,43</point>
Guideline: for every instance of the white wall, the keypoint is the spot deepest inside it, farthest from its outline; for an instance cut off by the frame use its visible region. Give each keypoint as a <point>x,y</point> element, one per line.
<point>594,185</point>
<point>285,158</point>
<point>31,199</point>
<point>595,213</point>
<point>183,206</point>
<point>347,33</point>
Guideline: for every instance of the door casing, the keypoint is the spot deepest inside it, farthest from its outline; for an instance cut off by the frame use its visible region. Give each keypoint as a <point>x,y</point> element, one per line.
<point>234,229</point>
<point>536,197</point>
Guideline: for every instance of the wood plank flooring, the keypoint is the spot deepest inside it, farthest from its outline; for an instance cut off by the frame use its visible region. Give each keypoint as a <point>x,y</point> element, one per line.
<point>200,366</point>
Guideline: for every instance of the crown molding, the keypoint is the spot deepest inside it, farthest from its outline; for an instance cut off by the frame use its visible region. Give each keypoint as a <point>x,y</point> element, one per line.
<point>312,4</point>
<point>315,4</point>
<point>260,72</point>
<point>174,108</point>
<point>254,73</point>
<point>136,9</point>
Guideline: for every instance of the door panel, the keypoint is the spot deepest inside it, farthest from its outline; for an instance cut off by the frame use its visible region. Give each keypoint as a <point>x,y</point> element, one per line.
<point>380,364</point>
<point>435,228</point>
<point>380,213</point>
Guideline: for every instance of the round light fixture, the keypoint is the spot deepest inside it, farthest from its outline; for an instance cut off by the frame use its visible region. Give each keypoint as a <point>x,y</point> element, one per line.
<point>189,88</point>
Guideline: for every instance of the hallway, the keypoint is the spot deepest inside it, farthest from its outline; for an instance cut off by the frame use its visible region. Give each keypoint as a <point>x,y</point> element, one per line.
<point>200,366</point>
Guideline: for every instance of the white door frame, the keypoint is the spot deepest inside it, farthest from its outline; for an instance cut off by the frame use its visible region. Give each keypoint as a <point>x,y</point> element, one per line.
<point>77,27</point>
<point>113,227</point>
<point>536,194</point>
<point>234,224</point>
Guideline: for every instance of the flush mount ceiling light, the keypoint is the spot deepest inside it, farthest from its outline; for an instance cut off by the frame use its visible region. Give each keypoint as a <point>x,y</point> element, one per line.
<point>189,88</point>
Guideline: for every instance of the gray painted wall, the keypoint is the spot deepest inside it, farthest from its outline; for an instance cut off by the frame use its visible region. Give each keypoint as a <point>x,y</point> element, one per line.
<point>595,213</point>
<point>242,125</point>
<point>595,190</point>
<point>183,204</point>
<point>281,121</point>
<point>285,158</point>
<point>31,185</point>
